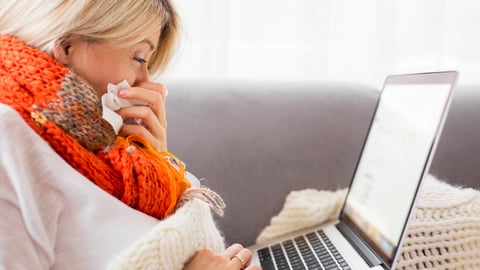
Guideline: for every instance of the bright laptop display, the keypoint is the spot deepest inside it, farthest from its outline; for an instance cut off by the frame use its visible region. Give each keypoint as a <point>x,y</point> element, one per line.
<point>396,154</point>
<point>394,158</point>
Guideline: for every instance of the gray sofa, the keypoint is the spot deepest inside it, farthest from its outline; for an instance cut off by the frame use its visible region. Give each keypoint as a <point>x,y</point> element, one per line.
<point>254,142</point>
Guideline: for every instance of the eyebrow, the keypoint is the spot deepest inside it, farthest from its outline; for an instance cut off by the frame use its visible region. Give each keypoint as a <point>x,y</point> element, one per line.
<point>148,42</point>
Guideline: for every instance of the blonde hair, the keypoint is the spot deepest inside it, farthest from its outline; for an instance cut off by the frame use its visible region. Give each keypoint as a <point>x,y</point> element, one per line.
<point>43,24</point>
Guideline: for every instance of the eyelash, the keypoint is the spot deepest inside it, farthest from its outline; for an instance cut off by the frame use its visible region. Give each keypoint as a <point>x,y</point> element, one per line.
<point>140,60</point>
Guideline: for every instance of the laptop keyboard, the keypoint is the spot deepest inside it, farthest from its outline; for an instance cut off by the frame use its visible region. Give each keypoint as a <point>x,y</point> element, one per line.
<point>310,251</point>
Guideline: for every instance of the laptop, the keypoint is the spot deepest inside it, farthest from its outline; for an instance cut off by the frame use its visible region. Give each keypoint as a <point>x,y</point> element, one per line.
<point>396,155</point>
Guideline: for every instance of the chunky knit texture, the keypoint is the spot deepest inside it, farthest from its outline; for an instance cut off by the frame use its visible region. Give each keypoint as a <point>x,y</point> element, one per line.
<point>303,209</point>
<point>67,113</point>
<point>444,232</point>
<point>173,241</point>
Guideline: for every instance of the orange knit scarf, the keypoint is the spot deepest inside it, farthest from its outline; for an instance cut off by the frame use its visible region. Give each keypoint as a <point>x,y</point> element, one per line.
<point>66,112</point>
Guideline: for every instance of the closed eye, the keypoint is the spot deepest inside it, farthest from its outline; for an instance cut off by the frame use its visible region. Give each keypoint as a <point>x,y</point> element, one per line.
<point>140,60</point>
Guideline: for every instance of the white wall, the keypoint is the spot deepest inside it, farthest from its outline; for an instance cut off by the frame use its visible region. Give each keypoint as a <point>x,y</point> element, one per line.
<point>349,40</point>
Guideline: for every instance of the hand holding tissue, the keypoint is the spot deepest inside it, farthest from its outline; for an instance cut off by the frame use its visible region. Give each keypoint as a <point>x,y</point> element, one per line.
<point>111,103</point>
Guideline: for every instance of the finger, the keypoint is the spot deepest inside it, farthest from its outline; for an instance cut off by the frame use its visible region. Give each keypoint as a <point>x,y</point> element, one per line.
<point>136,90</point>
<point>232,250</point>
<point>154,99</point>
<point>158,87</point>
<point>152,93</point>
<point>149,120</point>
<point>159,145</point>
<point>242,258</point>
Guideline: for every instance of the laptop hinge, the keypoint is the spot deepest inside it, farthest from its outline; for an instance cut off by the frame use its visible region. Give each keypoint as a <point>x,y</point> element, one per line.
<point>364,251</point>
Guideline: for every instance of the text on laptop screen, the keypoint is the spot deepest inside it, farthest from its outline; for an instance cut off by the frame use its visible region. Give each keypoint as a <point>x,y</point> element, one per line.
<point>393,160</point>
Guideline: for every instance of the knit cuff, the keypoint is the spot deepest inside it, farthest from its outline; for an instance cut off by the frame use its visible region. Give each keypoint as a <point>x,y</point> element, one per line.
<point>173,241</point>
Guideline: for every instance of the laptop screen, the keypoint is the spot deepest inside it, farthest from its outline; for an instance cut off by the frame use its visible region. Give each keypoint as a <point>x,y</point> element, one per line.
<point>393,160</point>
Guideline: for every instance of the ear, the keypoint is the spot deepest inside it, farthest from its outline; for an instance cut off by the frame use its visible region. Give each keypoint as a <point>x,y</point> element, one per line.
<point>62,52</point>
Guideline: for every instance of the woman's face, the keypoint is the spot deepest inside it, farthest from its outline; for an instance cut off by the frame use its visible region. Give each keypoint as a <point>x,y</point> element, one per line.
<point>103,63</point>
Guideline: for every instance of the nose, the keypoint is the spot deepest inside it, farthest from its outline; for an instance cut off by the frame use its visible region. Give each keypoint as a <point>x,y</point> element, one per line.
<point>142,75</point>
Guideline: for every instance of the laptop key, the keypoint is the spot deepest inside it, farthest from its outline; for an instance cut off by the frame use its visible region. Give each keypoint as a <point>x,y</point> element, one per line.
<point>279,257</point>
<point>265,258</point>
<point>293,255</point>
<point>311,251</point>
<point>307,254</point>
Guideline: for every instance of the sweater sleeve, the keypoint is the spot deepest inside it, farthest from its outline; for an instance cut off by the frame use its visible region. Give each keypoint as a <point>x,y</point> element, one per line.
<point>173,241</point>
<point>26,236</point>
<point>18,249</point>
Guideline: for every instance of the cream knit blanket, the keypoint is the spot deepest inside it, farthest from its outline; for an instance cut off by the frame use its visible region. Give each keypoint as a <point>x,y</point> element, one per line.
<point>173,241</point>
<point>444,232</point>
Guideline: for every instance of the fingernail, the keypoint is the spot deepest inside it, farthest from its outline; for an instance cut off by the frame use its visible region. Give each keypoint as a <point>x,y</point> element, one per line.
<point>123,92</point>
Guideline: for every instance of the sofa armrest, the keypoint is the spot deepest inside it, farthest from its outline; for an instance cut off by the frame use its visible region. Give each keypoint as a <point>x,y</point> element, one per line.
<point>457,158</point>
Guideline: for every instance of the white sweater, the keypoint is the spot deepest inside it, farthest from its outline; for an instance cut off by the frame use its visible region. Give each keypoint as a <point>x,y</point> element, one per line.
<point>54,218</point>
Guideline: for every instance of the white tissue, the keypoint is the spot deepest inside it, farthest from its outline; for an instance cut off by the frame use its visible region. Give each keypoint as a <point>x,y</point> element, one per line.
<point>111,103</point>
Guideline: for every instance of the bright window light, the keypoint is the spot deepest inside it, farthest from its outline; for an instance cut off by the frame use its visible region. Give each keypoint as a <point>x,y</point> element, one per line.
<point>311,40</point>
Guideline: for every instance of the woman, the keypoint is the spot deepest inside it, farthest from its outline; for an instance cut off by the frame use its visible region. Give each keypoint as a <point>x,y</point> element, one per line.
<point>77,190</point>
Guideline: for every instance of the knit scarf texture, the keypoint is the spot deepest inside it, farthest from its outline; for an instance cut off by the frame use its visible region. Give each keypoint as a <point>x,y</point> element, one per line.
<point>67,113</point>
